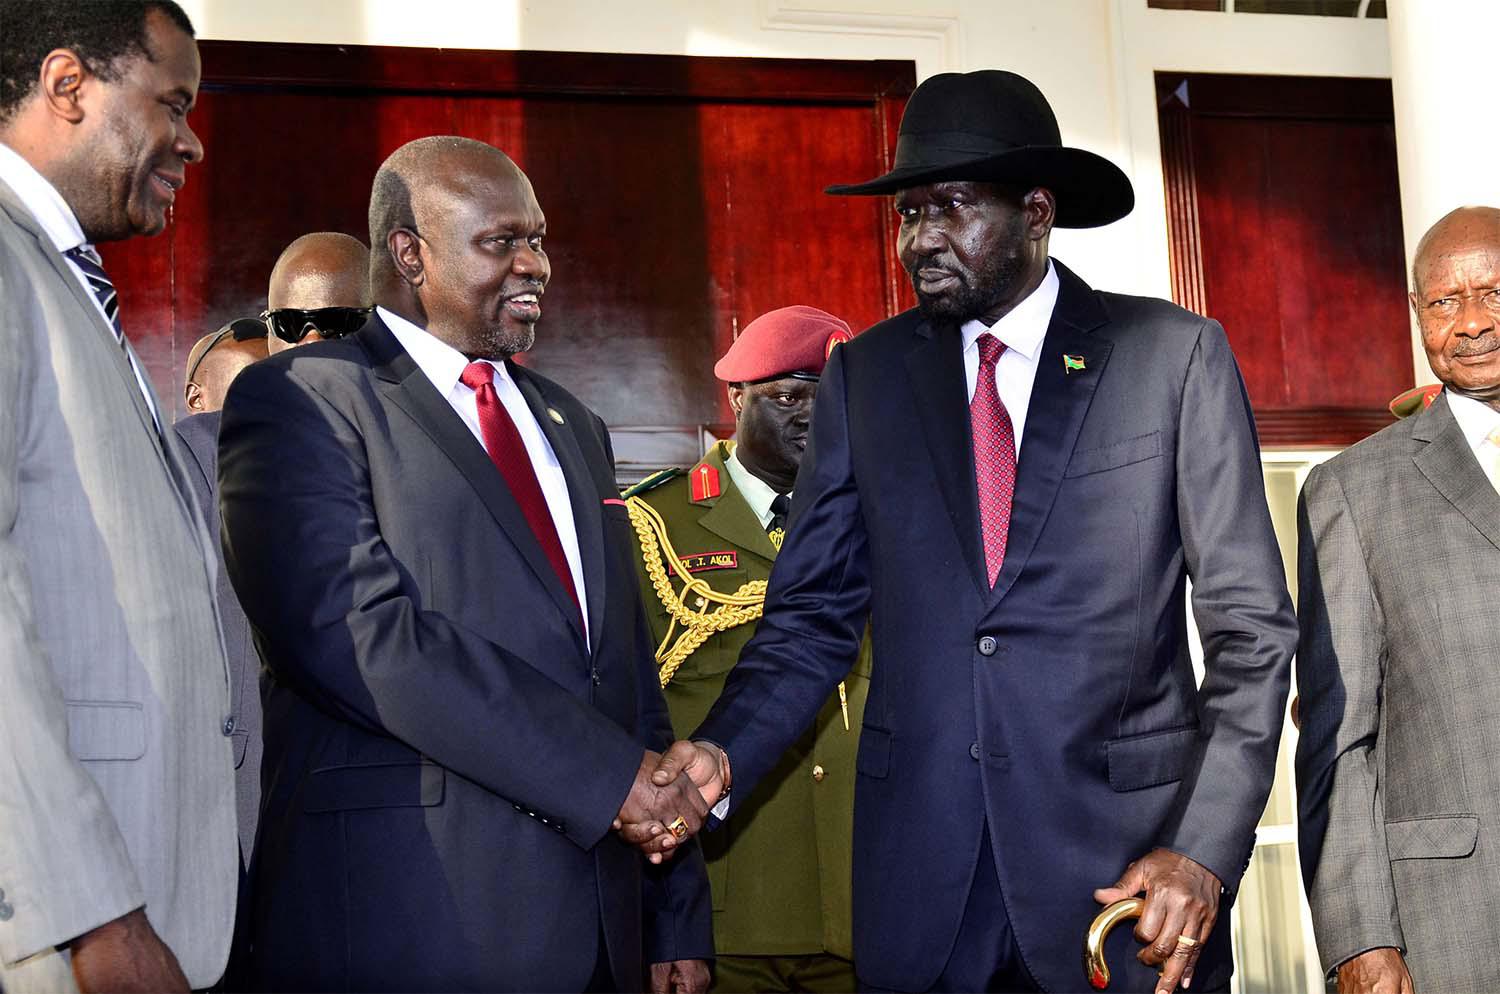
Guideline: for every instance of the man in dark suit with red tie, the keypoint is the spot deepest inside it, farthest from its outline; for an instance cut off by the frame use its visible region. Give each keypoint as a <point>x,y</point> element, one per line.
<point>461,697</point>
<point>1014,483</point>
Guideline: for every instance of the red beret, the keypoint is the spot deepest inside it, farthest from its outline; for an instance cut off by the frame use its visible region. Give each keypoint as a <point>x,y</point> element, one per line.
<point>788,340</point>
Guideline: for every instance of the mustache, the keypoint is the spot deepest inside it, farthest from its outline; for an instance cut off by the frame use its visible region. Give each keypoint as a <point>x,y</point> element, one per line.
<point>1481,345</point>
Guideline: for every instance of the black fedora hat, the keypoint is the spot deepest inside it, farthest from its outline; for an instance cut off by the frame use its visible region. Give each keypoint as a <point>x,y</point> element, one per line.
<point>995,126</point>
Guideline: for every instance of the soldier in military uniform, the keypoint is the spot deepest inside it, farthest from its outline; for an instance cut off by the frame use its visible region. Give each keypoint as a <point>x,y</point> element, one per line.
<point>780,869</point>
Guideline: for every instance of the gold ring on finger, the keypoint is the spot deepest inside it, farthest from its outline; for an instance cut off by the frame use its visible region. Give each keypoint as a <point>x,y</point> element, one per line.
<point>1183,940</point>
<point>678,828</point>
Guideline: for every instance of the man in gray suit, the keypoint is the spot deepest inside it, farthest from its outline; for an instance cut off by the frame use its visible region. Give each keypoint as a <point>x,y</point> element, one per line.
<point>1398,766</point>
<point>117,854</point>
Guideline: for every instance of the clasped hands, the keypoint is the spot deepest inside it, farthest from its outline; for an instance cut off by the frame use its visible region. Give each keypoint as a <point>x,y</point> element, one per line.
<point>671,797</point>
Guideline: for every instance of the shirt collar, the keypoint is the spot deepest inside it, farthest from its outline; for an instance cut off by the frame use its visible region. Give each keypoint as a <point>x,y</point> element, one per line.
<point>441,362</point>
<point>757,492</point>
<point>1025,325</point>
<point>42,199</point>
<point>1475,418</point>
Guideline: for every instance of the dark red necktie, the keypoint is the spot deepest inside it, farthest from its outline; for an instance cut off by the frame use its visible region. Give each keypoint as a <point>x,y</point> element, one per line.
<point>508,452</point>
<point>994,455</point>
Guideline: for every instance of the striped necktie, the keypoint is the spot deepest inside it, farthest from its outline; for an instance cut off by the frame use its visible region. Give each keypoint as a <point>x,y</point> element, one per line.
<point>88,261</point>
<point>92,267</point>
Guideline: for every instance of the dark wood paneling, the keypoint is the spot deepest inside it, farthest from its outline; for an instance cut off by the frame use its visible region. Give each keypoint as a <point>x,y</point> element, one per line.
<point>683,198</point>
<point>1283,201</point>
<point>363,68</point>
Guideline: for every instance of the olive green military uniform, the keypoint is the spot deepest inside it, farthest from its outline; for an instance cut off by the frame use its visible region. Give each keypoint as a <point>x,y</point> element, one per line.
<point>779,869</point>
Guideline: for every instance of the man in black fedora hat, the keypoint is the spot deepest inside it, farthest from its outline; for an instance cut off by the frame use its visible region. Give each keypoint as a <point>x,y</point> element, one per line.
<point>1014,483</point>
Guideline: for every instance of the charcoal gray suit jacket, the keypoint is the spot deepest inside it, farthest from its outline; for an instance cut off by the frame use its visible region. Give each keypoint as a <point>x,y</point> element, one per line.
<point>199,435</point>
<point>1398,764</point>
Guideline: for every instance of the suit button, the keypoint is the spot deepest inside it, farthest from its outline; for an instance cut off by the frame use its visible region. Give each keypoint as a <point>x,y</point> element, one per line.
<point>974,751</point>
<point>988,645</point>
<point>594,675</point>
<point>229,725</point>
<point>818,774</point>
<point>6,912</point>
<point>559,827</point>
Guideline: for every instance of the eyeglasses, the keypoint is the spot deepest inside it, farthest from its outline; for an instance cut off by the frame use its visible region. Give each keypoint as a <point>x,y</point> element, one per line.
<point>291,324</point>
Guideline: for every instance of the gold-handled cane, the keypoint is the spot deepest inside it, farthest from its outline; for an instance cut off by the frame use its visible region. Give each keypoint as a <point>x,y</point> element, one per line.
<point>1093,944</point>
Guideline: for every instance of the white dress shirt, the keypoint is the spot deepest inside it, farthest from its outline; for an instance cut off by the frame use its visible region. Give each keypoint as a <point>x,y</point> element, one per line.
<point>1022,331</point>
<point>60,225</point>
<point>443,365</point>
<point>1480,424</point>
<point>757,492</point>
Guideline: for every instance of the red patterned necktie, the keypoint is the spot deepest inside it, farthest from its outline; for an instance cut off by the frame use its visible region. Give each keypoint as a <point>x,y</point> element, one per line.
<point>508,452</point>
<point>994,455</point>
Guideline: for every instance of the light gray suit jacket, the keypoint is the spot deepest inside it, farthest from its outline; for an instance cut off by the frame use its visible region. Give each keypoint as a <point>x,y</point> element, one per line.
<point>116,778</point>
<point>1398,765</point>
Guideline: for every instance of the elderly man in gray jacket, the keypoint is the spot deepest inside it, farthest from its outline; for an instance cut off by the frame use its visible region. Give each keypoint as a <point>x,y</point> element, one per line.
<point>117,820</point>
<point>1398,766</point>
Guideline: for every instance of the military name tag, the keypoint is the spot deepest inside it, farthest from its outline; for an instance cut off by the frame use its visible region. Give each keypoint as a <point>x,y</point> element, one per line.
<point>702,562</point>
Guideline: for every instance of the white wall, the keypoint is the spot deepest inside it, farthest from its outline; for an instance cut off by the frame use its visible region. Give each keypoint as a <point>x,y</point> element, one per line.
<point>1093,58</point>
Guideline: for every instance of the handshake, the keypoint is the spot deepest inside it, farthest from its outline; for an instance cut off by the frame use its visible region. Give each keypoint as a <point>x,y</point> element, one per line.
<point>671,797</point>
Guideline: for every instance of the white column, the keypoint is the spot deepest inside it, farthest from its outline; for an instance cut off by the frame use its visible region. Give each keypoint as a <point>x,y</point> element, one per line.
<point>1443,82</point>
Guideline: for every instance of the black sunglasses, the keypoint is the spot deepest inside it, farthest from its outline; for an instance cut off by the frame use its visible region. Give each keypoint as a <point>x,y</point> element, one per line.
<point>291,324</point>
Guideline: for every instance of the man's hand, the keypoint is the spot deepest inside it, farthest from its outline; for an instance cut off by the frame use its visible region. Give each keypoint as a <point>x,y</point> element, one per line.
<point>126,955</point>
<point>706,765</point>
<point>1375,971</point>
<point>650,808</point>
<point>1182,899</point>
<point>685,976</point>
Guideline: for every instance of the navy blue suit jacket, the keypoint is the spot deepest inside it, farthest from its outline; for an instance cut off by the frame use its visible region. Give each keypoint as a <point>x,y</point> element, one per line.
<point>1059,707</point>
<point>444,751</point>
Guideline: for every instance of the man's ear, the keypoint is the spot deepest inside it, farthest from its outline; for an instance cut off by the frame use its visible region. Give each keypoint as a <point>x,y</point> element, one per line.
<point>1040,208</point>
<point>196,402</point>
<point>406,254</point>
<point>64,77</point>
<point>736,393</point>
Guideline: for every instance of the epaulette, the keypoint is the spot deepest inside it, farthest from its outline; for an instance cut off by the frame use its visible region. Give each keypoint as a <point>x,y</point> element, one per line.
<point>652,482</point>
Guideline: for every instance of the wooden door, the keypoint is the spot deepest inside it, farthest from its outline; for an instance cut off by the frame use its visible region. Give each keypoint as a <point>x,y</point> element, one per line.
<point>683,199</point>
<point>1285,225</point>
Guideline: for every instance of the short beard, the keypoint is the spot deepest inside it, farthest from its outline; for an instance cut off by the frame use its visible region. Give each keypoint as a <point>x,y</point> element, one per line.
<point>979,293</point>
<point>499,344</point>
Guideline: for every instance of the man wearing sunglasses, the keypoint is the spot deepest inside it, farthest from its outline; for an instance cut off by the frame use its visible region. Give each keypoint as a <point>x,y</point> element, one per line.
<point>320,289</point>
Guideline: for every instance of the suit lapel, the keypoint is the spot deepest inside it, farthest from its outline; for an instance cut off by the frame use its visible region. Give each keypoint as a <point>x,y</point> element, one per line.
<point>936,369</point>
<point>117,357</point>
<point>1449,465</point>
<point>583,495</point>
<point>85,300</point>
<point>1059,400</point>
<point>90,309</point>
<point>405,385</point>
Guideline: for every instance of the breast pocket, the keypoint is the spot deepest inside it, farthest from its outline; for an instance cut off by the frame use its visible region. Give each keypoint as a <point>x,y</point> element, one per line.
<point>1114,454</point>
